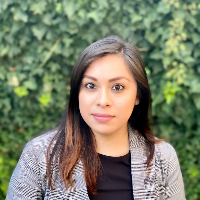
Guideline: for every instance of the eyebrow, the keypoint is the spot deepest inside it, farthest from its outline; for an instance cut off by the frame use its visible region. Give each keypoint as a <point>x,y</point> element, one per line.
<point>110,80</point>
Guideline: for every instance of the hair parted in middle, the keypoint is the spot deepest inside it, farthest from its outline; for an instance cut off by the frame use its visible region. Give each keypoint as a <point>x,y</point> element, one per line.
<point>74,139</point>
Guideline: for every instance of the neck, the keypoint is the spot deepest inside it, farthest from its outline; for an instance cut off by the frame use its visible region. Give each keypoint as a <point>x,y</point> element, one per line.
<point>114,144</point>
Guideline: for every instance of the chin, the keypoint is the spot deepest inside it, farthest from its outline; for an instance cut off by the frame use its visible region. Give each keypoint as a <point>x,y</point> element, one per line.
<point>103,130</point>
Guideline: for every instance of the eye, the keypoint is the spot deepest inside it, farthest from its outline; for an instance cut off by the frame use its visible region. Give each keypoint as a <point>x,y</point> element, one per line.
<point>90,86</point>
<point>118,87</point>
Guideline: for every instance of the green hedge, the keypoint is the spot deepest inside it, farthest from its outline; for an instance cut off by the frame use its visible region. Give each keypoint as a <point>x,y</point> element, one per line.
<point>40,41</point>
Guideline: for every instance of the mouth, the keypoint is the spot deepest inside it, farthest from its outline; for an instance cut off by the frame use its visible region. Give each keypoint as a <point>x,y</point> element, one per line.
<point>100,117</point>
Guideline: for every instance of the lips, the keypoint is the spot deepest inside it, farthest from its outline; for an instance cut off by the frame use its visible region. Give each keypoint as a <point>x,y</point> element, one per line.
<point>102,117</point>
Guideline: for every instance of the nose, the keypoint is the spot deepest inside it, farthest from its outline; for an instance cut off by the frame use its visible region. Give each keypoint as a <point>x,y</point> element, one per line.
<point>104,98</point>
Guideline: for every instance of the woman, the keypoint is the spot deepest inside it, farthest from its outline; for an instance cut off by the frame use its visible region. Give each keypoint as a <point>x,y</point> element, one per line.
<point>105,149</point>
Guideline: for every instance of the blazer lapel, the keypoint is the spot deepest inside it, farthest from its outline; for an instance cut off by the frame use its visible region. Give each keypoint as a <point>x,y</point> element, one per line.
<point>80,192</point>
<point>142,179</point>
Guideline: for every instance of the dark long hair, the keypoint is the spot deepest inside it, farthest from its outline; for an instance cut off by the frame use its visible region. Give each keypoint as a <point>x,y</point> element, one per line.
<point>74,140</point>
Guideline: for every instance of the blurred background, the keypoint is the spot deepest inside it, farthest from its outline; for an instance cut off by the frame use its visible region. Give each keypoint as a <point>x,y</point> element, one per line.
<point>40,41</point>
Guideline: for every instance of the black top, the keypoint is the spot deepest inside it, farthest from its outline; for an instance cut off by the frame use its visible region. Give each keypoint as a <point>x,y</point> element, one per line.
<point>114,181</point>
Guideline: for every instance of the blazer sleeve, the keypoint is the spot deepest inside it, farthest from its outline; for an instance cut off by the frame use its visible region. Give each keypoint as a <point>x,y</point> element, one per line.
<point>174,180</point>
<point>25,182</point>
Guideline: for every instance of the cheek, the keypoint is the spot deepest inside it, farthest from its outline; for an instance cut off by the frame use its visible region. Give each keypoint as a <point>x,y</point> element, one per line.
<point>125,107</point>
<point>84,104</point>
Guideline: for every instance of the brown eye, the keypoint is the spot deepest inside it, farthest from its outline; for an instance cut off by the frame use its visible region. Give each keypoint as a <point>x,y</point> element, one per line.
<point>90,86</point>
<point>118,87</point>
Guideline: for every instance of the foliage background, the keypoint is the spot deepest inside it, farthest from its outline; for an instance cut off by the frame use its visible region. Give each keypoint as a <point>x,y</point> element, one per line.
<point>40,41</point>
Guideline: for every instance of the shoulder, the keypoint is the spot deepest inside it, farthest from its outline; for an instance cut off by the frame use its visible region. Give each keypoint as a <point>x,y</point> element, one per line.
<point>166,158</point>
<point>29,175</point>
<point>167,161</point>
<point>39,145</point>
<point>33,157</point>
<point>164,150</point>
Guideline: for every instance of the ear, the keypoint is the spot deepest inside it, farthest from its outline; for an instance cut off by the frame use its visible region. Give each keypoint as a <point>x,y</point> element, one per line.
<point>137,101</point>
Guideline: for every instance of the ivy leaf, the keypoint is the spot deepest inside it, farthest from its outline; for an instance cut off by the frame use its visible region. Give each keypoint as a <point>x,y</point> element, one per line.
<point>189,59</point>
<point>69,8</point>
<point>156,55</point>
<point>195,85</point>
<point>30,84</point>
<point>13,81</point>
<point>195,38</point>
<point>193,172</point>
<point>59,8</point>
<point>93,15</point>
<point>21,91</point>
<point>39,31</point>
<point>38,7</point>
<point>45,99</point>
<point>135,18</point>
<point>162,8</point>
<point>20,15</point>
<point>170,90</point>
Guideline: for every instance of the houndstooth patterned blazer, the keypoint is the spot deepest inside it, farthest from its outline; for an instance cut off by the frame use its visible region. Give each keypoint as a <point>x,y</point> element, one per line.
<point>162,181</point>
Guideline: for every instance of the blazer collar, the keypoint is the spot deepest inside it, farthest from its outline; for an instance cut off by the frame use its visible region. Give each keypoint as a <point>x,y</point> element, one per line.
<point>142,179</point>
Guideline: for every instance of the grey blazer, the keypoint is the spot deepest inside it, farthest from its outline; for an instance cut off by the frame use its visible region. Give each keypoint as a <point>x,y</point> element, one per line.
<point>162,181</point>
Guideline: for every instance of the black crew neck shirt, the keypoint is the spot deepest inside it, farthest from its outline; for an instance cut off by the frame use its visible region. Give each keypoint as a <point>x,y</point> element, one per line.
<point>114,181</point>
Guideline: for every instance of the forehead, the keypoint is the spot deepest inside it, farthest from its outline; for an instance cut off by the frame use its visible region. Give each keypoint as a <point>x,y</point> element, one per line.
<point>108,67</point>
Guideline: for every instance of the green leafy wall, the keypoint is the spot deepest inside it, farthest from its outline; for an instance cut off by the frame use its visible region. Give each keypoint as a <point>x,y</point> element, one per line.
<point>41,39</point>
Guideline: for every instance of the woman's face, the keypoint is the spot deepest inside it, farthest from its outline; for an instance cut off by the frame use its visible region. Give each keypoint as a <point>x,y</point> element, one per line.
<point>107,95</point>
